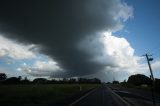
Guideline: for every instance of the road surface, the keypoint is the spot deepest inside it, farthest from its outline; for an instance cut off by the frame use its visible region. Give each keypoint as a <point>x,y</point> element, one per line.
<point>102,96</point>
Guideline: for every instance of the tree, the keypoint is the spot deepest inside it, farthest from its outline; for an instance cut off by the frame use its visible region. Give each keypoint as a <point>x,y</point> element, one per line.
<point>25,81</point>
<point>115,82</point>
<point>124,82</point>
<point>139,79</point>
<point>3,76</point>
<point>20,78</point>
<point>72,80</point>
<point>40,81</point>
<point>85,80</point>
<point>12,80</point>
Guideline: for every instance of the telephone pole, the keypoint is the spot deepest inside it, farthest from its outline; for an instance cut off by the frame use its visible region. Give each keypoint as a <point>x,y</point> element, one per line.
<point>152,77</point>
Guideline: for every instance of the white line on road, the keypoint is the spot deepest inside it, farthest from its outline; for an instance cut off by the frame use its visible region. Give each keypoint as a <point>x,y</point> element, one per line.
<point>84,96</point>
<point>126,103</point>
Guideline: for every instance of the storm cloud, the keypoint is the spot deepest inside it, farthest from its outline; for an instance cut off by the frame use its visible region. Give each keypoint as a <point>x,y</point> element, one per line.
<point>60,25</point>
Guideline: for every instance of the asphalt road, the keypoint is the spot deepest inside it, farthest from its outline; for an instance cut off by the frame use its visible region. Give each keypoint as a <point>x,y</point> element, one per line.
<point>135,97</point>
<point>102,96</point>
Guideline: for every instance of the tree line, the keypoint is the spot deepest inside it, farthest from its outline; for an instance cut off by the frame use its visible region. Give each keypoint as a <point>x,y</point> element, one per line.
<point>19,80</point>
<point>140,80</point>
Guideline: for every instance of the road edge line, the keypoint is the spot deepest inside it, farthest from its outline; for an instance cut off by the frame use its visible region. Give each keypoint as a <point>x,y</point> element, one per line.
<point>82,97</point>
<point>125,102</point>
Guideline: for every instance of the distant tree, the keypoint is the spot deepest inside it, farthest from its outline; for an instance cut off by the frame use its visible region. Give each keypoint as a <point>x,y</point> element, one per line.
<point>72,80</point>
<point>65,80</point>
<point>108,83</point>
<point>40,81</point>
<point>139,79</point>
<point>12,80</point>
<point>85,80</point>
<point>20,78</point>
<point>25,78</point>
<point>96,80</point>
<point>124,82</point>
<point>3,76</point>
<point>53,81</point>
<point>25,81</point>
<point>115,82</point>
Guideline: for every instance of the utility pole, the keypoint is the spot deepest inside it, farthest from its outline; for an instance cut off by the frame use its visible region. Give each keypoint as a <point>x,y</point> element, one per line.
<point>152,77</point>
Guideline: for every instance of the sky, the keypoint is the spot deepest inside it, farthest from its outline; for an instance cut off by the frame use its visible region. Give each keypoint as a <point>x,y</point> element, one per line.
<point>88,38</point>
<point>143,30</point>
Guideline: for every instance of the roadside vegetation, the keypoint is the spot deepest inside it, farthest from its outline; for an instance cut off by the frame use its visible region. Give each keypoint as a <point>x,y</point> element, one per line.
<point>40,91</point>
<point>139,81</point>
<point>39,94</point>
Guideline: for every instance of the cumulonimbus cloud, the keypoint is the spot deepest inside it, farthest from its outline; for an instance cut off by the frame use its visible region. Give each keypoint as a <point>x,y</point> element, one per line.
<point>60,26</point>
<point>109,50</point>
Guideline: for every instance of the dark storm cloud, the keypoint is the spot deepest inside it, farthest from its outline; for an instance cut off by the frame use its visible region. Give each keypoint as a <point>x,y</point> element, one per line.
<point>58,25</point>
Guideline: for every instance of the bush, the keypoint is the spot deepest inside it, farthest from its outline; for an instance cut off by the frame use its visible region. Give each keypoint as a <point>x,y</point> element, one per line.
<point>139,79</point>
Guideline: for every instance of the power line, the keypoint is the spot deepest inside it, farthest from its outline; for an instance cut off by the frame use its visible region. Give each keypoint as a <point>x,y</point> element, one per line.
<point>155,50</point>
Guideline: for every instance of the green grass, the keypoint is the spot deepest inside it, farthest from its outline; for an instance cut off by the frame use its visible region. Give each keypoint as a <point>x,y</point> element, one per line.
<point>39,93</point>
<point>130,86</point>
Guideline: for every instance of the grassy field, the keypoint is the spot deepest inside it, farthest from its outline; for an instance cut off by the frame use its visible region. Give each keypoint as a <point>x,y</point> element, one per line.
<point>21,94</point>
<point>130,86</point>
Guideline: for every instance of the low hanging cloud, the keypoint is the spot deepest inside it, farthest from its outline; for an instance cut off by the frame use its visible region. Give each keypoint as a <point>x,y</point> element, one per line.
<point>41,68</point>
<point>61,26</point>
<point>15,50</point>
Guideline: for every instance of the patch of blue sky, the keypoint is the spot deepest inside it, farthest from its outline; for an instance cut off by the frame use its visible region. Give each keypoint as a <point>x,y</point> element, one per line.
<point>11,65</point>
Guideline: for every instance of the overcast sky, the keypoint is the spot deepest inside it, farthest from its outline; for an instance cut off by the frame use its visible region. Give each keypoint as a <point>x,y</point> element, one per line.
<point>84,38</point>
